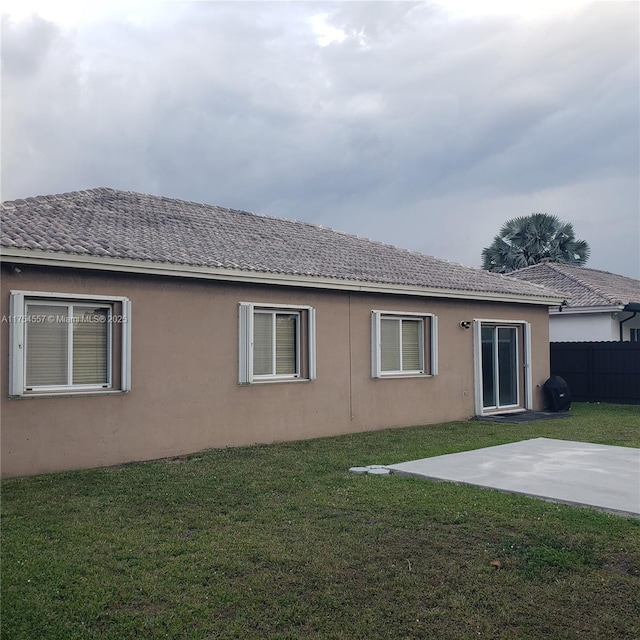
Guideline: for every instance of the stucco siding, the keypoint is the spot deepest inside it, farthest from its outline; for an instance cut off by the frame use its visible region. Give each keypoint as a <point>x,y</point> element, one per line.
<point>583,327</point>
<point>185,395</point>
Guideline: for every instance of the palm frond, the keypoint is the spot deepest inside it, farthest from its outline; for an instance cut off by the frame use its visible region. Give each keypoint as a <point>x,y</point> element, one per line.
<point>528,240</point>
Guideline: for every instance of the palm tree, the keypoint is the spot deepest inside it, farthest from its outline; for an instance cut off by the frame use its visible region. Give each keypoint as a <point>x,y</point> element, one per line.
<point>528,240</point>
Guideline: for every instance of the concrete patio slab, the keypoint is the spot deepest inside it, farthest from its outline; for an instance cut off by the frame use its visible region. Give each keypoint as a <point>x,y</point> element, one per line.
<point>576,473</point>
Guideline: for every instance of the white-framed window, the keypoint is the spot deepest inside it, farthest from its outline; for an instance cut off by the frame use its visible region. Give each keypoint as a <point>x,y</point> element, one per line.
<point>403,344</point>
<point>634,335</point>
<point>277,343</point>
<point>67,344</point>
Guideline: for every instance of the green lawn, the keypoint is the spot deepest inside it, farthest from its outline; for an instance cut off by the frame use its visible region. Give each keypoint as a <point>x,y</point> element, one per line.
<point>282,542</point>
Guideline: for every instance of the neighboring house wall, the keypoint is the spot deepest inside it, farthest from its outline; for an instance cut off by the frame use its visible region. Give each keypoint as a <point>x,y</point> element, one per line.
<point>185,394</point>
<point>583,327</point>
<point>598,307</point>
<point>629,321</point>
<point>591,327</point>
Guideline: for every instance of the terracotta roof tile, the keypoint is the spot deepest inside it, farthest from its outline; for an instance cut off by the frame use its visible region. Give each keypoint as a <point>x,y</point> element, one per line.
<point>583,287</point>
<point>134,226</point>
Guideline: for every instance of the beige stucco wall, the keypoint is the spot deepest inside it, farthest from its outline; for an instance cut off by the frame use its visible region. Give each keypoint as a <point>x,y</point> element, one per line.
<point>185,395</point>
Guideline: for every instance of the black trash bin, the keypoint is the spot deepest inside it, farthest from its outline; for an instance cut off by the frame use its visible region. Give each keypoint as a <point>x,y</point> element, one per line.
<point>556,390</point>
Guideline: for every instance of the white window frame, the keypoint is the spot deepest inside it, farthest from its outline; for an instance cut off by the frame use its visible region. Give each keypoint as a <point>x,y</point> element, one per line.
<point>19,301</point>
<point>431,339</point>
<point>247,311</point>
<point>274,351</point>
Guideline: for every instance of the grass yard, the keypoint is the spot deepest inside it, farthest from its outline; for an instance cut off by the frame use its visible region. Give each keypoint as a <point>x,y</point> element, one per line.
<point>281,542</point>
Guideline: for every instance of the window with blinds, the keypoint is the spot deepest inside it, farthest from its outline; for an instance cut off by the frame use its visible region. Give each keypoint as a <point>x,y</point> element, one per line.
<point>276,343</point>
<point>66,345</point>
<point>403,344</point>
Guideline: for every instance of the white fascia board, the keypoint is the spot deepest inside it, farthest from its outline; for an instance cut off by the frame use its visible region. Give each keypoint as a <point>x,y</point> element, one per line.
<point>578,310</point>
<point>102,263</point>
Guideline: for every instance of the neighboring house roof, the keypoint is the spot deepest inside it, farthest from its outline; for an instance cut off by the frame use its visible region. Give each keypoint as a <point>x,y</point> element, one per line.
<point>105,228</point>
<point>583,288</point>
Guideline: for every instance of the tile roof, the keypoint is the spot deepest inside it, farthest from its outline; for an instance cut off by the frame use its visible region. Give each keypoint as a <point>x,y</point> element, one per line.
<point>125,225</point>
<point>583,287</point>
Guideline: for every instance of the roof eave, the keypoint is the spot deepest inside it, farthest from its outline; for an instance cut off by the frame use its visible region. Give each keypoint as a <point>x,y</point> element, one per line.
<point>105,263</point>
<point>565,311</point>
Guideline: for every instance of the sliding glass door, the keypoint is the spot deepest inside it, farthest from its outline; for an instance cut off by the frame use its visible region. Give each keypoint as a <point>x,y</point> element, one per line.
<point>499,365</point>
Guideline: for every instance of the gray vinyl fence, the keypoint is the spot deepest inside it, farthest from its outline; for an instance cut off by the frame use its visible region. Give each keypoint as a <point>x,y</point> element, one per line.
<point>599,371</point>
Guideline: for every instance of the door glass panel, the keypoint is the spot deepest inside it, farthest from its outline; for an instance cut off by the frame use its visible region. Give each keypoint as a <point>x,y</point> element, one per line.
<point>488,368</point>
<point>507,362</point>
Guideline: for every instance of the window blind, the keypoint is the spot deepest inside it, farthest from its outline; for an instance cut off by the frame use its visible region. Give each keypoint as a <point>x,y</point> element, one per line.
<point>47,348</point>
<point>90,341</point>
<point>411,345</point>
<point>390,344</point>
<point>286,343</point>
<point>262,344</point>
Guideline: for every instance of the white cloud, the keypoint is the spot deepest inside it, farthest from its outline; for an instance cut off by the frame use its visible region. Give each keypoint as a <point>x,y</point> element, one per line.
<point>325,33</point>
<point>527,9</point>
<point>74,13</point>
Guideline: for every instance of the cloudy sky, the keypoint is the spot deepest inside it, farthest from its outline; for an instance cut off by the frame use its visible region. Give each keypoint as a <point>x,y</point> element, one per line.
<point>422,124</point>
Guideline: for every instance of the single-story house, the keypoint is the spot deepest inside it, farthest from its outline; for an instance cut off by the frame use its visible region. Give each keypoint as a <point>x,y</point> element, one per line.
<point>599,306</point>
<point>137,327</point>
